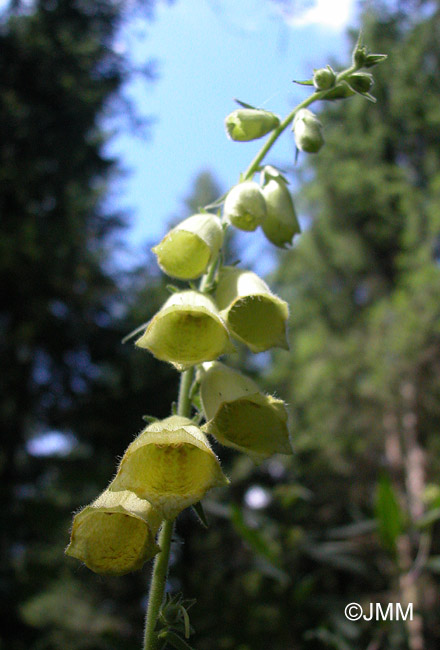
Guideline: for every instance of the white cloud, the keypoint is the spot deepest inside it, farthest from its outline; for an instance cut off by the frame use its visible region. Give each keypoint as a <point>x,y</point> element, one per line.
<point>321,12</point>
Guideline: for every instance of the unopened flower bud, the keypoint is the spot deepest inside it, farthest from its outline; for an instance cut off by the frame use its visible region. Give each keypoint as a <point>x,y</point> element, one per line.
<point>115,534</point>
<point>187,330</point>
<point>308,131</point>
<point>239,415</point>
<point>281,222</point>
<point>250,124</point>
<point>254,315</point>
<point>361,82</point>
<point>374,59</point>
<point>171,465</point>
<point>324,78</point>
<point>186,251</point>
<point>245,207</point>
<point>341,91</point>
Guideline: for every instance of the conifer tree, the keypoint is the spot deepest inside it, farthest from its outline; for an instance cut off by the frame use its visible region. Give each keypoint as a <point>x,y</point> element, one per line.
<point>363,283</point>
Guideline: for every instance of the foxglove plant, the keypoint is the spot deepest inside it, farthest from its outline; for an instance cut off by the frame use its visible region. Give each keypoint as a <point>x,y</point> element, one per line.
<point>170,465</point>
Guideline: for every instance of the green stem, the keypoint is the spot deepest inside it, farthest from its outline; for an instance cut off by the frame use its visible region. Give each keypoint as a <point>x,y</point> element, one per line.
<point>317,95</point>
<point>253,167</point>
<point>184,403</point>
<point>160,568</point>
<point>157,585</point>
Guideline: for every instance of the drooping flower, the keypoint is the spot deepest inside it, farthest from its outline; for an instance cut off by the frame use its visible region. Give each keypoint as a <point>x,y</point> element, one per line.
<point>187,330</point>
<point>281,223</point>
<point>241,416</point>
<point>308,131</point>
<point>254,315</point>
<point>187,250</point>
<point>245,207</point>
<point>171,465</point>
<point>246,124</point>
<point>115,534</point>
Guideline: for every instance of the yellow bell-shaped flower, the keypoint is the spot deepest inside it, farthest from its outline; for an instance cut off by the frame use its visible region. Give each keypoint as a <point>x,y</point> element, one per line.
<point>115,534</point>
<point>245,207</point>
<point>281,223</point>
<point>254,315</point>
<point>186,251</point>
<point>171,465</point>
<point>187,330</point>
<point>239,415</point>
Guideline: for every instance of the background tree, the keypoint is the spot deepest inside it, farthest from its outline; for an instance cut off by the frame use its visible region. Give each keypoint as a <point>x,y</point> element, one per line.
<point>363,374</point>
<point>65,370</point>
<point>354,517</point>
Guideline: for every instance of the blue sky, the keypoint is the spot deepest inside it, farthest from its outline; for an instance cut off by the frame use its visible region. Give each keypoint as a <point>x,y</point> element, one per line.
<point>208,52</point>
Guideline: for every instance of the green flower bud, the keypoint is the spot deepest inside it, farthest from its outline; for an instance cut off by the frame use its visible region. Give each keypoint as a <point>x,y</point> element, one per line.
<point>254,315</point>
<point>281,223</point>
<point>171,464</point>
<point>115,534</point>
<point>239,415</point>
<point>187,330</point>
<point>250,124</point>
<point>186,251</point>
<point>324,78</point>
<point>308,131</point>
<point>361,82</point>
<point>245,207</point>
<point>340,91</point>
<point>362,58</point>
<point>374,59</point>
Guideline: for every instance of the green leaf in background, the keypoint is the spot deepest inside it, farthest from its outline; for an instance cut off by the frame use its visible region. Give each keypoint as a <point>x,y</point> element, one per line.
<point>257,543</point>
<point>200,513</point>
<point>390,519</point>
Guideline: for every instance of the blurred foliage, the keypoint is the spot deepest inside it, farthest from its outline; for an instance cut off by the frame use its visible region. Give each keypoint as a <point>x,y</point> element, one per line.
<point>349,520</point>
<point>64,312</point>
<point>354,516</point>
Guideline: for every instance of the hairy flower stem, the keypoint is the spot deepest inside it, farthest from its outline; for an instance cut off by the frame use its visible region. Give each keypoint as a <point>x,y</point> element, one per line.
<point>157,585</point>
<point>316,96</point>
<point>160,569</point>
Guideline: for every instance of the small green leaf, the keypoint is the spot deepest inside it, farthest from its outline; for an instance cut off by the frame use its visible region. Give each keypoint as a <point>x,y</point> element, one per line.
<point>200,513</point>
<point>390,518</point>
<point>307,82</point>
<point>217,203</point>
<point>133,333</point>
<point>171,288</point>
<point>430,517</point>
<point>244,104</point>
<point>149,419</point>
<point>173,639</point>
<point>185,621</point>
<point>257,543</point>
<point>364,95</point>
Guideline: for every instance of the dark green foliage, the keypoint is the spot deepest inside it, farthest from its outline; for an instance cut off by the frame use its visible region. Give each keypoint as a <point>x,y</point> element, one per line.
<point>362,382</point>
<point>63,316</point>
